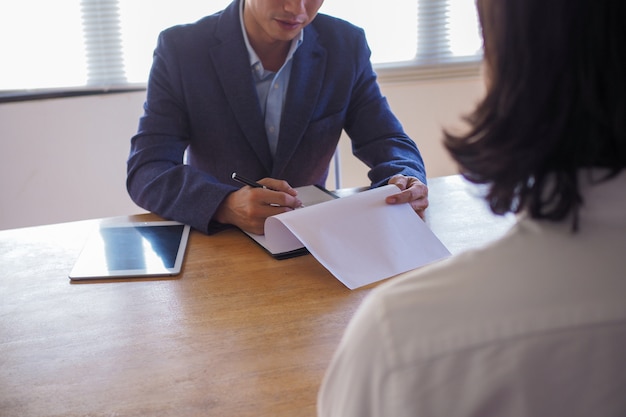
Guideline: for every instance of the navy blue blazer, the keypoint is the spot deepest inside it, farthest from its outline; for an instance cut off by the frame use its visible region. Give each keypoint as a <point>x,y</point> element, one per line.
<point>201,100</point>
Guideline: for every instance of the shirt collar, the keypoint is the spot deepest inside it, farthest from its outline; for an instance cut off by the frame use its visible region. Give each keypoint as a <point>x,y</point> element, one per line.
<point>254,58</point>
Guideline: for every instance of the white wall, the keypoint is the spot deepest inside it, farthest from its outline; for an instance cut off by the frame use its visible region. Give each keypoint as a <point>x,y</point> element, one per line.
<point>65,159</point>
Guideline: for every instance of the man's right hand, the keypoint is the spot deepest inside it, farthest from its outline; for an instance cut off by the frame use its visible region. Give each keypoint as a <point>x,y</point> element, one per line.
<point>248,207</point>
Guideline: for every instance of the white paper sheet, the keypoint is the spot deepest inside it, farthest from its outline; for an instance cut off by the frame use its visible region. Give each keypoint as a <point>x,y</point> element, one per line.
<point>360,239</point>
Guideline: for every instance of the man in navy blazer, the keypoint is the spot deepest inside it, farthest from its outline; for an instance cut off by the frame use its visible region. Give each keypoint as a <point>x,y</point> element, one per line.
<point>263,88</point>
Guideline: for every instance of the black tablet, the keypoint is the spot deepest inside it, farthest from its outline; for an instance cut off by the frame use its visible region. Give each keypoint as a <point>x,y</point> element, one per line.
<point>132,249</point>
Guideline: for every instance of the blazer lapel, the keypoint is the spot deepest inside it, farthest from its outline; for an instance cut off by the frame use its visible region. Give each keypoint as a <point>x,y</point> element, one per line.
<point>233,68</point>
<point>309,63</point>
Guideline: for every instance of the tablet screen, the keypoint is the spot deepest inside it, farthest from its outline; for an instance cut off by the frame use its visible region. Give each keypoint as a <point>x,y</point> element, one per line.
<point>141,249</point>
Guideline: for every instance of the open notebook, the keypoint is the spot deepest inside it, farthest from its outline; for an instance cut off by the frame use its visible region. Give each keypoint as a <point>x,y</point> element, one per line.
<point>310,195</point>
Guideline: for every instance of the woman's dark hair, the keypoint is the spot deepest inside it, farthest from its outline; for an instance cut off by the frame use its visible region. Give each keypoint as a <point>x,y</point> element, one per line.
<point>556,102</point>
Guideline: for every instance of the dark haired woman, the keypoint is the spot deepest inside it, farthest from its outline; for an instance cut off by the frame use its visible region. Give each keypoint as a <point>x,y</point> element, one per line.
<point>535,323</point>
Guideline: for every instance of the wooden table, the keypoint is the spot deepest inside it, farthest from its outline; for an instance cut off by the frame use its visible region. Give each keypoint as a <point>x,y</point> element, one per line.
<point>236,334</point>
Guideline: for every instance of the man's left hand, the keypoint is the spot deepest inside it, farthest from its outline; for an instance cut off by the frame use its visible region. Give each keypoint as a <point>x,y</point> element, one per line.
<point>413,192</point>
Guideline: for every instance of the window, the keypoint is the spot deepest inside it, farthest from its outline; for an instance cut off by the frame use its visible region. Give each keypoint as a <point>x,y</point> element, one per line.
<point>418,31</point>
<point>104,44</point>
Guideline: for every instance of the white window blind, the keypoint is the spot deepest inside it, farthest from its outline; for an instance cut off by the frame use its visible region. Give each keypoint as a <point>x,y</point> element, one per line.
<point>105,44</point>
<point>419,32</point>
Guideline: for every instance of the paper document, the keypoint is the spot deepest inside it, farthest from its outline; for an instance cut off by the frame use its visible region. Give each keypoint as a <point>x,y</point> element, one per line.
<point>360,239</point>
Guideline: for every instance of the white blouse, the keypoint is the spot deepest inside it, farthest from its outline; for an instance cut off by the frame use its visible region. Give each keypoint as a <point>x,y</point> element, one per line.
<point>531,325</point>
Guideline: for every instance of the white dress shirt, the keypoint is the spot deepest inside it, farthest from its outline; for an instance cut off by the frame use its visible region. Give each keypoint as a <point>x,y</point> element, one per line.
<point>531,325</point>
<point>271,87</point>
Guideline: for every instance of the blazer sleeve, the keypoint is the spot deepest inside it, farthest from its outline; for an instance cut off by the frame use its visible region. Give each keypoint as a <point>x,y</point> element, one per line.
<point>378,138</point>
<point>157,177</point>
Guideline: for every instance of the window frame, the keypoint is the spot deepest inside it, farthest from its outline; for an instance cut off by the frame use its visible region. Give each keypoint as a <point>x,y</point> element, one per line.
<point>418,69</point>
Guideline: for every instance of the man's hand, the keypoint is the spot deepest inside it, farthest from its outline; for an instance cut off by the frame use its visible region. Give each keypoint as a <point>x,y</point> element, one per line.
<point>413,192</point>
<point>248,207</point>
